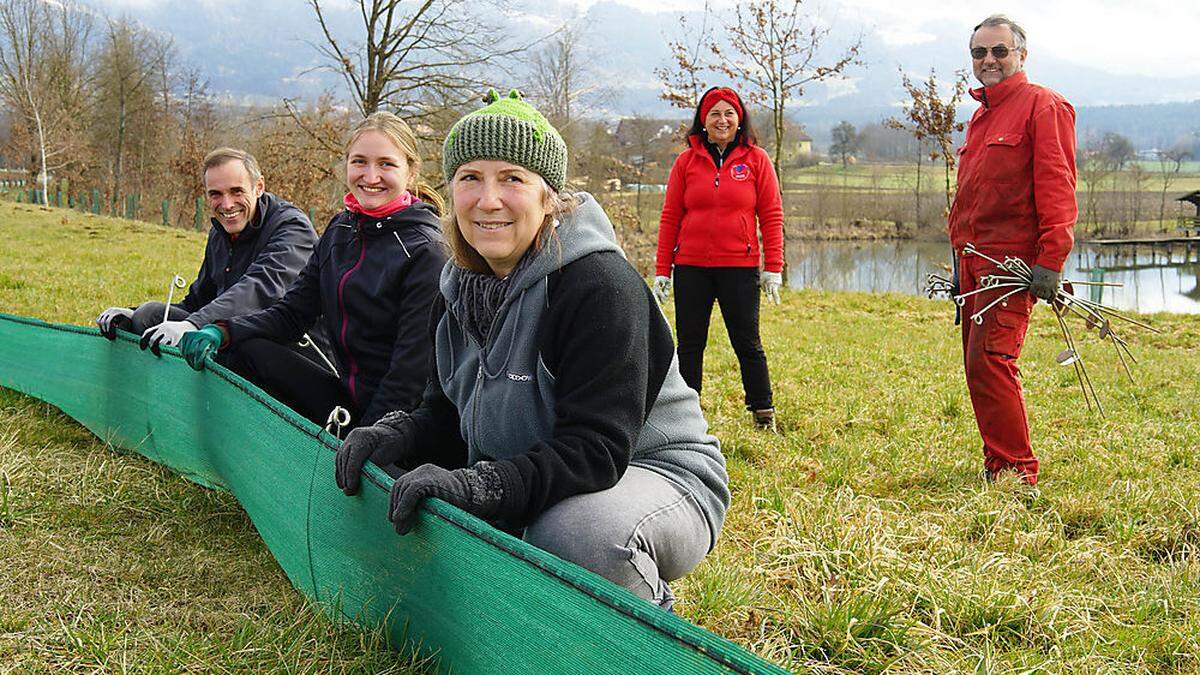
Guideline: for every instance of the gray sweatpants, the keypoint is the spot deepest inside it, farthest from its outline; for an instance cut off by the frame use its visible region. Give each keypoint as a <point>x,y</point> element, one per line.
<point>641,533</point>
<point>150,314</point>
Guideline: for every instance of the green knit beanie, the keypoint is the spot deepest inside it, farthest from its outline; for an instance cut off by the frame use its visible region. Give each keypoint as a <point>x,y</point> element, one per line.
<point>511,130</point>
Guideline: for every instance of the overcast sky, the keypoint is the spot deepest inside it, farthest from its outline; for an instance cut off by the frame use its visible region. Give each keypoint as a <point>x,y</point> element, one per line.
<point>1148,37</point>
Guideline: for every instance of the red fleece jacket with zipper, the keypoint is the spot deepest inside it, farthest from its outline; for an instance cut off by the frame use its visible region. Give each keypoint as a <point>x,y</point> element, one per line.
<point>711,216</point>
<point>1016,175</point>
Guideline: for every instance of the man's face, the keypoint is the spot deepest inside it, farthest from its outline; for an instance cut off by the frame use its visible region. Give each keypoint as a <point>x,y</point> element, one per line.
<point>990,70</point>
<point>231,195</point>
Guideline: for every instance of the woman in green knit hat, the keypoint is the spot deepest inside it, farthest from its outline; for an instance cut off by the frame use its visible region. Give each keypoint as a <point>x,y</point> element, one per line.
<point>556,409</point>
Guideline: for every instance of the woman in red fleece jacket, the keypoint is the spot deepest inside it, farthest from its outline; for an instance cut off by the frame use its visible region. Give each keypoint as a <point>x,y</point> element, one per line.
<point>722,191</point>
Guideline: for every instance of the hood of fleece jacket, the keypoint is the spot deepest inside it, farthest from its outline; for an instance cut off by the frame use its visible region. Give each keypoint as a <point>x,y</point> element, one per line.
<point>581,232</point>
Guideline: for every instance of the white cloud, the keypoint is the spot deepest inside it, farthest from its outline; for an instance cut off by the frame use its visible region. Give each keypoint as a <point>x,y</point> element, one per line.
<point>838,87</point>
<point>1149,37</point>
<point>904,37</point>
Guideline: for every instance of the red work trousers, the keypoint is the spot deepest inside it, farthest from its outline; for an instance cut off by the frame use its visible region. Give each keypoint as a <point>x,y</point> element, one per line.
<point>990,352</point>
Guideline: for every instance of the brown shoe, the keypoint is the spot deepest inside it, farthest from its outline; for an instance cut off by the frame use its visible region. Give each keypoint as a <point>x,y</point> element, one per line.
<point>765,419</point>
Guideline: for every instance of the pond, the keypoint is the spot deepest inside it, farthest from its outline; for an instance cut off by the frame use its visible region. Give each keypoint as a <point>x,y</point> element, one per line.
<point>1154,280</point>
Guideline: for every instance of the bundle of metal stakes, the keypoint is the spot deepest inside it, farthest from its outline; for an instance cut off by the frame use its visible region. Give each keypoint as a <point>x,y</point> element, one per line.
<point>1013,276</point>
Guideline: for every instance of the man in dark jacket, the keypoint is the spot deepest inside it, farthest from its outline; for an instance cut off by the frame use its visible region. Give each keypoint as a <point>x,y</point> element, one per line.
<point>257,246</point>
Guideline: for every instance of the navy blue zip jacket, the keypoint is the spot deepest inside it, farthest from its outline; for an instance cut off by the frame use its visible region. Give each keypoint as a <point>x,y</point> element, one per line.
<point>371,283</point>
<point>244,275</point>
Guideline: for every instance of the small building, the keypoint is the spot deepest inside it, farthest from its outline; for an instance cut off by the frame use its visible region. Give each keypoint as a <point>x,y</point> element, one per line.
<point>803,143</point>
<point>1190,225</point>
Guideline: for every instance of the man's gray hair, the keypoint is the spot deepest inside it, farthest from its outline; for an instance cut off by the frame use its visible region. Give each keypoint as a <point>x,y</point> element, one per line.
<point>222,155</point>
<point>994,20</point>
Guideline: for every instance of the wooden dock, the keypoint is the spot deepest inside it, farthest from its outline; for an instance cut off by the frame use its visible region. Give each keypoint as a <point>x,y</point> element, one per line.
<point>1168,241</point>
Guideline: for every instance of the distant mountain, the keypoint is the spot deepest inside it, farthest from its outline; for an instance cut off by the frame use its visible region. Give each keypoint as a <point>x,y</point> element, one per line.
<point>260,50</point>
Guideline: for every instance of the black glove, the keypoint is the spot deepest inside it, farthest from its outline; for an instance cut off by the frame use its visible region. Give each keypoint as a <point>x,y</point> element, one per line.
<point>388,441</point>
<point>1044,282</point>
<point>955,286</point>
<point>478,490</point>
<point>113,318</point>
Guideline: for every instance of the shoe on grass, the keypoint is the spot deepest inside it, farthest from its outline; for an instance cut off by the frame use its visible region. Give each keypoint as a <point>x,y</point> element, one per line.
<point>765,419</point>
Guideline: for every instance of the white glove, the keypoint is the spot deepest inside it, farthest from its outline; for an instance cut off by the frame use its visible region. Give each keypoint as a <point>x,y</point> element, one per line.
<point>167,333</point>
<point>662,289</point>
<point>771,283</point>
<point>104,321</point>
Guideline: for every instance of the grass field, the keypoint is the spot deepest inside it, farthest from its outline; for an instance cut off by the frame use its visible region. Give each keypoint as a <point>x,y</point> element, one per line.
<point>861,538</point>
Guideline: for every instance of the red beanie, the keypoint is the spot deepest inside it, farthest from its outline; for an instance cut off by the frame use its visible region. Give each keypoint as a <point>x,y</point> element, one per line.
<point>720,94</point>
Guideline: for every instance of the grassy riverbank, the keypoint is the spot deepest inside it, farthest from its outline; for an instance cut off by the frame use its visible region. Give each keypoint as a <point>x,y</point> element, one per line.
<point>860,539</point>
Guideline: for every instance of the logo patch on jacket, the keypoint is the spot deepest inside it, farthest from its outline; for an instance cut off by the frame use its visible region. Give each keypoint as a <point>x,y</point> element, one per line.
<point>740,172</point>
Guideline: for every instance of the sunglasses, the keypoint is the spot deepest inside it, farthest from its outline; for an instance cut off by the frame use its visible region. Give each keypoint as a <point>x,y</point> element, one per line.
<point>999,51</point>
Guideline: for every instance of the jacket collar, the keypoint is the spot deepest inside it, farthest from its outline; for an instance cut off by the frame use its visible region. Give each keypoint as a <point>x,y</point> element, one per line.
<point>994,95</point>
<point>397,220</point>
<point>698,145</point>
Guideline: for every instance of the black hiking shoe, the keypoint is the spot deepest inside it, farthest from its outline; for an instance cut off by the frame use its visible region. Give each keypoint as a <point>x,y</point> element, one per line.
<point>765,419</point>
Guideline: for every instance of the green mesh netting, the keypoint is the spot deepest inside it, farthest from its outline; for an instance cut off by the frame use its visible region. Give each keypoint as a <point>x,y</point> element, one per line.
<point>479,599</point>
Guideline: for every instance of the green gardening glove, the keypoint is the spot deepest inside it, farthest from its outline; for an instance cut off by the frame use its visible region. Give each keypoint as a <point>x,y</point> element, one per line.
<point>196,344</point>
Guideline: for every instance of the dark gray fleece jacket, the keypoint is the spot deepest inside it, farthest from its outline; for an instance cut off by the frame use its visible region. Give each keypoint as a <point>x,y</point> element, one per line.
<point>577,380</point>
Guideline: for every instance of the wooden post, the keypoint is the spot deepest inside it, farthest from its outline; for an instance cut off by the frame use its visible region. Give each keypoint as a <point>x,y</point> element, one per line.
<point>199,220</point>
<point>166,212</point>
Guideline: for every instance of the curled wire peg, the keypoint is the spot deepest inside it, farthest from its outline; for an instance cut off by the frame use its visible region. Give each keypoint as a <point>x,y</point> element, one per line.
<point>176,282</point>
<point>339,418</point>
<point>306,341</point>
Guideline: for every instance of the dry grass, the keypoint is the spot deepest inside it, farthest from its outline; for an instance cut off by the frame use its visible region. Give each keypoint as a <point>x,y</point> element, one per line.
<point>861,538</point>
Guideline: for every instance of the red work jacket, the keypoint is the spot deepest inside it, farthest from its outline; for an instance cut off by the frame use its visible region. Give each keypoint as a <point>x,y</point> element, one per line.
<point>1016,174</point>
<point>711,217</point>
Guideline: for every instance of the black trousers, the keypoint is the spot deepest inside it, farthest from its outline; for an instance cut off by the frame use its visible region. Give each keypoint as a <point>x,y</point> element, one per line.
<point>287,373</point>
<point>736,289</point>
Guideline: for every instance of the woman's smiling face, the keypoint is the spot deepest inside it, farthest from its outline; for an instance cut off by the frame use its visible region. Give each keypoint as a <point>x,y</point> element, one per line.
<point>500,208</point>
<point>376,170</point>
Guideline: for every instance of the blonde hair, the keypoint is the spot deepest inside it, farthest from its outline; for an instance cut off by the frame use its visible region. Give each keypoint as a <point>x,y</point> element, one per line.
<point>401,135</point>
<point>465,256</point>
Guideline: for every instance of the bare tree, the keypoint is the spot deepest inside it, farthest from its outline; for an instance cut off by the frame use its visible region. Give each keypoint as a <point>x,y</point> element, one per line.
<point>929,117</point>
<point>775,50</point>
<point>129,117</point>
<point>196,125</point>
<point>1169,163</point>
<point>562,83</point>
<point>43,76</point>
<point>1094,167</point>
<point>300,155</point>
<point>414,52</point>
<point>682,80</point>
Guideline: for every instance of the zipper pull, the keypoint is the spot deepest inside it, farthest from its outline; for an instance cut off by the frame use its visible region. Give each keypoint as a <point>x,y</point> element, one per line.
<point>717,180</point>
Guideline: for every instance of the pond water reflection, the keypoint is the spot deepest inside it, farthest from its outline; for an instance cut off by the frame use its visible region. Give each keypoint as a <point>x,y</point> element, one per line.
<point>1154,281</point>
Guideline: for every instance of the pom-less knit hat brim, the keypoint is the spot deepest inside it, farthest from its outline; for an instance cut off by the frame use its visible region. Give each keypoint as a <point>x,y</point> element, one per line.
<point>510,130</point>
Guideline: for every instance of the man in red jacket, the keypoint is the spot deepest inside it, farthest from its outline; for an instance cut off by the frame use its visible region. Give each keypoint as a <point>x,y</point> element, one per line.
<point>1016,197</point>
